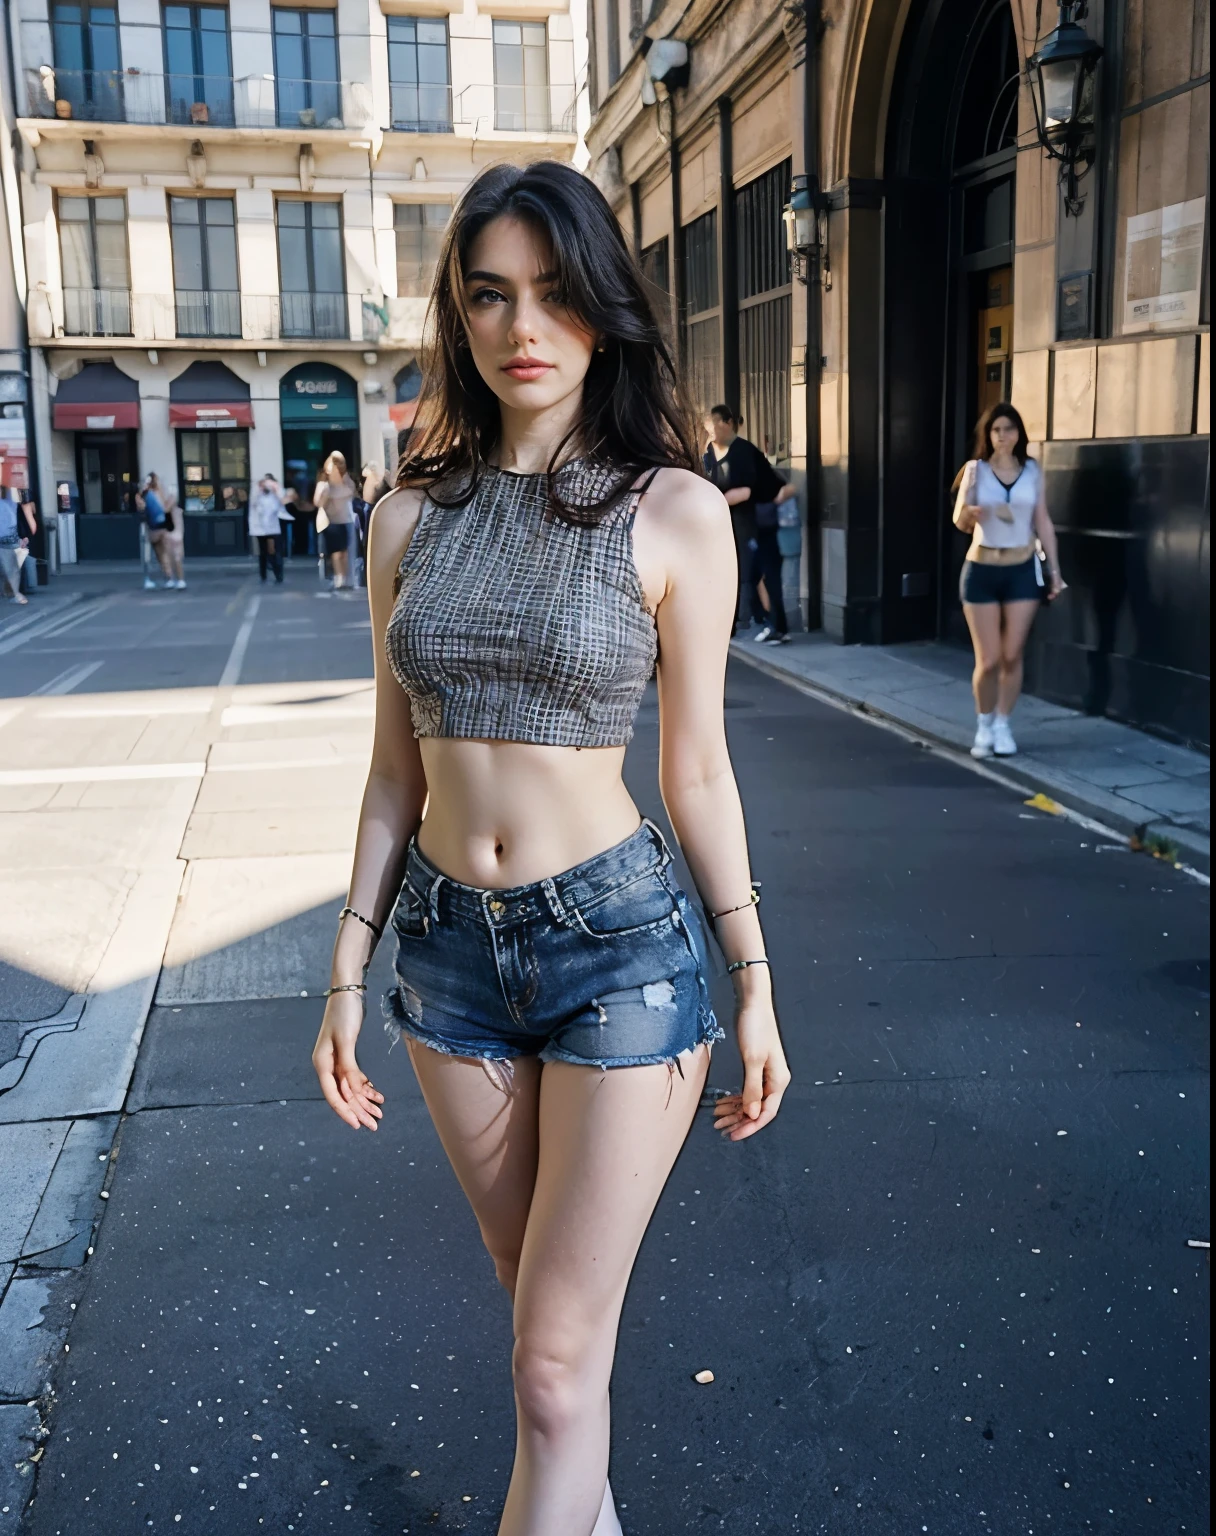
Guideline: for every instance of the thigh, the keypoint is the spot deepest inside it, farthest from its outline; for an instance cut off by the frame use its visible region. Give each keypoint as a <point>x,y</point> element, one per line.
<point>608,1141</point>
<point>1017,619</point>
<point>984,622</point>
<point>486,1118</point>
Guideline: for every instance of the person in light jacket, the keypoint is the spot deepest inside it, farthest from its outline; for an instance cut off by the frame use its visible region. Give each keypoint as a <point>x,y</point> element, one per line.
<point>266,508</point>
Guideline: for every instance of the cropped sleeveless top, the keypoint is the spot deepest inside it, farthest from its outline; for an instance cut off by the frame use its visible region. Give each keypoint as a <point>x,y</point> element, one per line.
<point>512,625</point>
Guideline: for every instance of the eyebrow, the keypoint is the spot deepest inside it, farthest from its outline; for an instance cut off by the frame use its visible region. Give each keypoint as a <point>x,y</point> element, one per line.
<point>497,277</point>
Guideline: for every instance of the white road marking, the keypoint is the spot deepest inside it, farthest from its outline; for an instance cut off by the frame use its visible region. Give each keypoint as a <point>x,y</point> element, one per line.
<point>130,711</point>
<point>70,680</point>
<point>109,774</point>
<point>57,623</point>
<point>236,656</point>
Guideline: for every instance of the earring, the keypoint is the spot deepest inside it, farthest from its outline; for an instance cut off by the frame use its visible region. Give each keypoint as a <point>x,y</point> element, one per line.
<point>601,347</point>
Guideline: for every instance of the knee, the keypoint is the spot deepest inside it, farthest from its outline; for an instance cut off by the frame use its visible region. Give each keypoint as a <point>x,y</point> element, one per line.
<point>1011,661</point>
<point>549,1385</point>
<point>506,1267</point>
<point>986,667</point>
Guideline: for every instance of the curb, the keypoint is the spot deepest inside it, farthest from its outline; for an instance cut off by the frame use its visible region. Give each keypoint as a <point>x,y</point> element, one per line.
<point>1101,814</point>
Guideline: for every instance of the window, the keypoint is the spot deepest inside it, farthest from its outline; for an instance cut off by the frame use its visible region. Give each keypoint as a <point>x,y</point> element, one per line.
<point>204,266</point>
<point>702,342</point>
<point>654,265</point>
<point>521,76</point>
<point>419,229</point>
<point>420,100</point>
<point>306,69</point>
<point>765,321</point>
<point>96,277</point>
<point>198,65</point>
<point>312,283</point>
<point>88,63</point>
<point>214,471</point>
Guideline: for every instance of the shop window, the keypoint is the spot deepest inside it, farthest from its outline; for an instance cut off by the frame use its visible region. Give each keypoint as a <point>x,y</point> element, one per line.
<point>204,266</point>
<point>521,76</point>
<point>418,228</point>
<point>96,274</point>
<point>88,60</point>
<point>306,69</point>
<point>214,471</point>
<point>420,97</point>
<point>312,281</point>
<point>198,65</point>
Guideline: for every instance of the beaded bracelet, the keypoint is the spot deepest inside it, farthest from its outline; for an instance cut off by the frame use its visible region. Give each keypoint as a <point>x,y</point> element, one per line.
<point>349,986</point>
<point>752,901</point>
<point>366,921</point>
<point>742,965</point>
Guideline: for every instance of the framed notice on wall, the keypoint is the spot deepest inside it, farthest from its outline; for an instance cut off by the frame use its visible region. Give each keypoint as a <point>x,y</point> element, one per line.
<point>1163,267</point>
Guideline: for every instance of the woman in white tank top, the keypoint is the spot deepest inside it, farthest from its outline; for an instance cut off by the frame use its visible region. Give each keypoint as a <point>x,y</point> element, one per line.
<point>1002,504</point>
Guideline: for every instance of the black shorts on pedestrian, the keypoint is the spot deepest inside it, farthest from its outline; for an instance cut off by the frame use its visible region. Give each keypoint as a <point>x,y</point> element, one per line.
<point>1000,583</point>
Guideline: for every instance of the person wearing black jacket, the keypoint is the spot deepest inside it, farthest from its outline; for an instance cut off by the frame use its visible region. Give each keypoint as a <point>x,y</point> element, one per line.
<point>753,490</point>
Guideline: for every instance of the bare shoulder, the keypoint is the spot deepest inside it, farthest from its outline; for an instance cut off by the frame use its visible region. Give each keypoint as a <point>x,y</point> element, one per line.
<point>684,504</point>
<point>393,520</point>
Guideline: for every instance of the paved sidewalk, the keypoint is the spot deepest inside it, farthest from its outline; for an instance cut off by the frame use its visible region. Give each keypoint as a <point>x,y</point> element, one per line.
<point>1112,772</point>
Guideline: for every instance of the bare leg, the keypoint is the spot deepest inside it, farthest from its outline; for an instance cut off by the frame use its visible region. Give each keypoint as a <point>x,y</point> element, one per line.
<point>607,1144</point>
<point>984,622</point>
<point>338,560</point>
<point>1018,620</point>
<point>489,1133</point>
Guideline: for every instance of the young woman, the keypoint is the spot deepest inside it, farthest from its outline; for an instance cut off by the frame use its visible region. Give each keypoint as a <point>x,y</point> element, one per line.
<point>334,494</point>
<point>1002,504</point>
<point>551,535</point>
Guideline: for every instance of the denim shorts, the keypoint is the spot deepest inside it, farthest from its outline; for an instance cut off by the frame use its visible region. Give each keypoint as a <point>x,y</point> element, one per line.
<point>603,966</point>
<point>1000,583</point>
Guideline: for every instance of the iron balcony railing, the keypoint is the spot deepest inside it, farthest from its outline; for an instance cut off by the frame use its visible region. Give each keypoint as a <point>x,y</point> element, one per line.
<point>97,312</point>
<point>321,316</point>
<point>420,108</point>
<point>197,101</point>
<point>517,108</point>
<point>208,312</point>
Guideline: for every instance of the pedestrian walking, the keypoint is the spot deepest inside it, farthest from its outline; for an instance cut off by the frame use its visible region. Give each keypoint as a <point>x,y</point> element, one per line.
<point>753,491</point>
<point>375,484</point>
<point>14,545</point>
<point>173,545</point>
<point>333,497</point>
<point>150,500</point>
<point>550,535</point>
<point>266,510</point>
<point>1002,503</point>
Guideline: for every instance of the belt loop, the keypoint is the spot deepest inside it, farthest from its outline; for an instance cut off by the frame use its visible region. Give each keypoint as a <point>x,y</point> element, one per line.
<point>656,834</point>
<point>555,902</point>
<point>433,898</point>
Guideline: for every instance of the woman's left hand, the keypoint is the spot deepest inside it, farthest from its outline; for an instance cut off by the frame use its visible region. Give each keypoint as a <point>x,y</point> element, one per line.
<point>1056,585</point>
<point>765,1074</point>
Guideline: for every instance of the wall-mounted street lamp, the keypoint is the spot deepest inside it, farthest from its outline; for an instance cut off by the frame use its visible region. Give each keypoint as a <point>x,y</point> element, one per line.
<point>806,233</point>
<point>1062,77</point>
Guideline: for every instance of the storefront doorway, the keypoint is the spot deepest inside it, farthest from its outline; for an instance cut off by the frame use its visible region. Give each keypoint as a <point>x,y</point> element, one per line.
<point>106,472</point>
<point>319,409</point>
<point>213,473</point>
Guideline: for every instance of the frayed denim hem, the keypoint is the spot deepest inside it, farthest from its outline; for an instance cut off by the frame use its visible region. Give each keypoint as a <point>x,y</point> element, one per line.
<point>709,1032</point>
<point>398,1022</point>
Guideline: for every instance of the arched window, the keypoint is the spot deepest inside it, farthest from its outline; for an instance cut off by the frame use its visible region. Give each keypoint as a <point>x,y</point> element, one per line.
<point>988,114</point>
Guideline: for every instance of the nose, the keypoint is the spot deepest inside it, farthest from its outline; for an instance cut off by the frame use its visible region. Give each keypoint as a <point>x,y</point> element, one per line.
<point>525,321</point>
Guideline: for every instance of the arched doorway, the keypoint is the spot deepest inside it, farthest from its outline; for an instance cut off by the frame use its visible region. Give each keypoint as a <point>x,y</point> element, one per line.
<point>940,263</point>
<point>319,412</point>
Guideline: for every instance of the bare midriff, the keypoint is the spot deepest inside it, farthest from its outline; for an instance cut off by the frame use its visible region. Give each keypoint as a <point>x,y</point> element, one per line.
<point>507,813</point>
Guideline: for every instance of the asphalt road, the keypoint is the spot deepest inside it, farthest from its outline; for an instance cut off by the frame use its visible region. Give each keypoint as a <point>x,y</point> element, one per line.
<point>948,1291</point>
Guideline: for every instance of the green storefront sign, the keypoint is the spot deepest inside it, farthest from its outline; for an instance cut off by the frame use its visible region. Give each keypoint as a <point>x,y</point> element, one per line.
<point>318,395</point>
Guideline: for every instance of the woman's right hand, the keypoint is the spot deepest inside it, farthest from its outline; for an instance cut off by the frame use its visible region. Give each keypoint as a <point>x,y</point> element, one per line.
<point>966,518</point>
<point>347,1089</point>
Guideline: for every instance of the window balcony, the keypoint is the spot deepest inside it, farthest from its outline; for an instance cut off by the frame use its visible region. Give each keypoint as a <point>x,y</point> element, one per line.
<point>318,316</point>
<point>208,312</point>
<point>97,312</point>
<point>420,108</point>
<point>197,101</point>
<point>529,109</point>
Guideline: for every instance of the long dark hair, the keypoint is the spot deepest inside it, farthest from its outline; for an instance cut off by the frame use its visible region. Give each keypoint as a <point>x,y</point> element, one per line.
<point>632,419</point>
<point>981,447</point>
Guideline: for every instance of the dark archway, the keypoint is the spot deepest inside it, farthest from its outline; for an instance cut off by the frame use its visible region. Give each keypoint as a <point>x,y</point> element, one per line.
<point>950,152</point>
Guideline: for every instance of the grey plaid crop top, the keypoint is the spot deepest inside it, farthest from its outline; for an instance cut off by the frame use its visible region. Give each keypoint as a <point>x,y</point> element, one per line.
<point>513,625</point>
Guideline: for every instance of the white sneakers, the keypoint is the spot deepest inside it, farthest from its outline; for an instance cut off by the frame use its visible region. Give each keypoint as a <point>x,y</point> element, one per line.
<point>993,738</point>
<point>1003,744</point>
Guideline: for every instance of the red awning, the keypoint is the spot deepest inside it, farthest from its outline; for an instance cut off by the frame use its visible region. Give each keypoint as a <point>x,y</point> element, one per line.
<point>99,398</point>
<point>234,414</point>
<point>402,414</point>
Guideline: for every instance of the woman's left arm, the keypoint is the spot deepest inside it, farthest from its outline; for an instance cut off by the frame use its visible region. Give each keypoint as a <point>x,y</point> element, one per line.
<point>1045,531</point>
<point>691,530</point>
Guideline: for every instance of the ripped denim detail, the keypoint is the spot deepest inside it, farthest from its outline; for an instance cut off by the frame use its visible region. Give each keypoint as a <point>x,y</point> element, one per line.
<point>402,1010</point>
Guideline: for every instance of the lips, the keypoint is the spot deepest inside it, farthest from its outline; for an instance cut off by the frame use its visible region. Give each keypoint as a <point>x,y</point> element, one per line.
<point>526,369</point>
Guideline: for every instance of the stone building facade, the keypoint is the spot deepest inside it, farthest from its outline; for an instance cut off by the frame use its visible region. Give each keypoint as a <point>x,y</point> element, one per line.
<point>953,272</point>
<point>231,213</point>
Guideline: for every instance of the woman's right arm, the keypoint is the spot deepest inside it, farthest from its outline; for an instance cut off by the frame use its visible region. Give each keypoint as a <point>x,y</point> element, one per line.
<point>966,513</point>
<point>392,810</point>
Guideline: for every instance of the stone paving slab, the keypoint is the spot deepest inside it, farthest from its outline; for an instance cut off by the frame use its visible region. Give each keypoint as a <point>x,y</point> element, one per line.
<point>21,1433</point>
<point>27,1156</point>
<point>1100,767</point>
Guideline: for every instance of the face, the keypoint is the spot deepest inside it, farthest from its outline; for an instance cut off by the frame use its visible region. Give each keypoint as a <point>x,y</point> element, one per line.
<point>1003,435</point>
<point>721,431</point>
<point>530,349</point>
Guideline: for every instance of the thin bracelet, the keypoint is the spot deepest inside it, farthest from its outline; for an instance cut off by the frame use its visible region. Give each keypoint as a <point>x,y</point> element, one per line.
<point>349,986</point>
<point>742,965</point>
<point>752,901</point>
<point>366,921</point>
